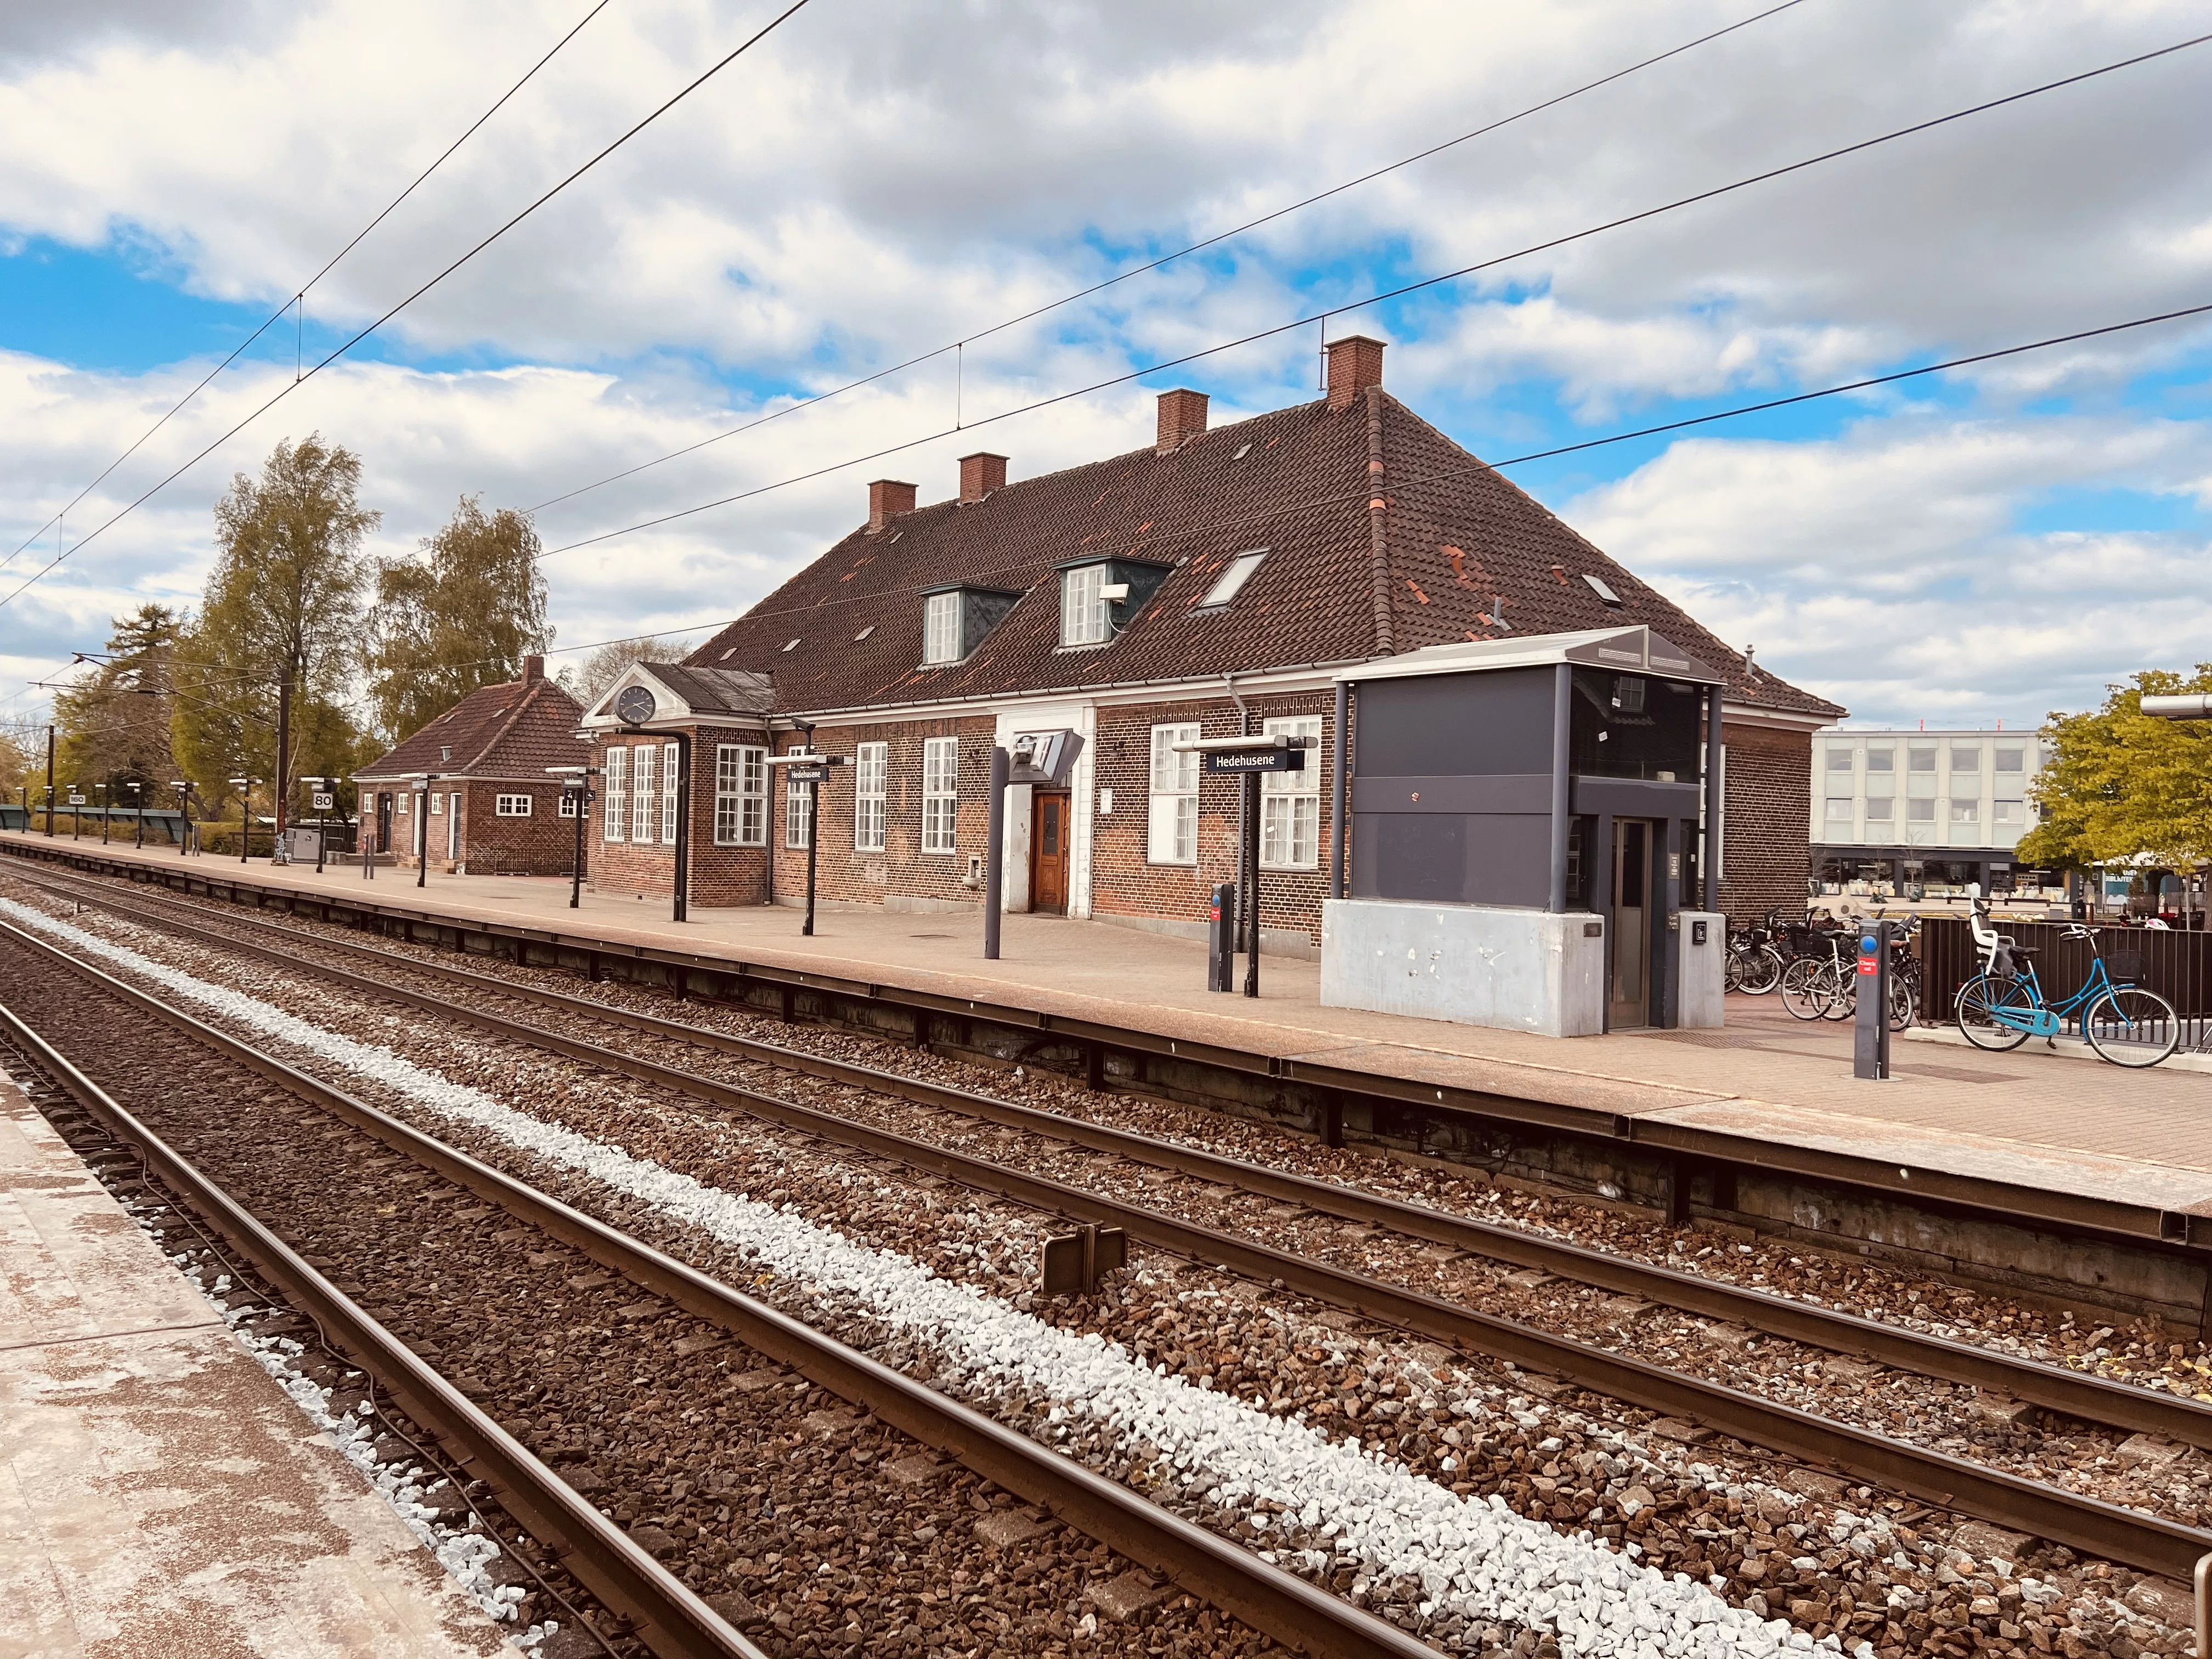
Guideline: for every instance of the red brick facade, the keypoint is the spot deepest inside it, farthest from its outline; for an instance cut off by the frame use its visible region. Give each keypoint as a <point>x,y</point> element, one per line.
<point>540,842</point>
<point>1769,777</point>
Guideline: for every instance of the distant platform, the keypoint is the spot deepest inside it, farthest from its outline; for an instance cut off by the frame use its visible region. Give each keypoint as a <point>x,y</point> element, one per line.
<point>158,1492</point>
<point>2039,1134</point>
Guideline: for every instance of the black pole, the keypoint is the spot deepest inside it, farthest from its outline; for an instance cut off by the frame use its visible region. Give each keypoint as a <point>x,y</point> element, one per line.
<point>138,810</point>
<point>1252,860</point>
<point>423,835</point>
<point>1562,802</point>
<point>107,807</point>
<point>683,825</point>
<point>1709,866</point>
<point>995,855</point>
<point>576,870</point>
<point>1337,790</point>
<point>813,842</point>
<point>323,826</point>
<point>50,782</point>
<point>245,818</point>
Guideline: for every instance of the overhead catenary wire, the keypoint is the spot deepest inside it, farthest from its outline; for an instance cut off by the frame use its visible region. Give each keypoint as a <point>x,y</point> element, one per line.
<point>747,44</point>
<point>1400,291</point>
<point>296,304</point>
<point>958,346</point>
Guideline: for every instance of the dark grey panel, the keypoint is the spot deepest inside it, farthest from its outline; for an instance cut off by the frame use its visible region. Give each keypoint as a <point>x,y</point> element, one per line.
<point>1456,725</point>
<point>1521,792</point>
<point>1451,859</point>
<point>1631,797</point>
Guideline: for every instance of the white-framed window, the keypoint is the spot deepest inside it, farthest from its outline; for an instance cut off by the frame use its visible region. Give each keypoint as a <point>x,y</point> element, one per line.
<point>1232,581</point>
<point>1839,757</point>
<point>672,774</point>
<point>571,801</point>
<point>871,789</point>
<point>1172,837</point>
<point>437,806</point>
<point>2011,811</point>
<point>1882,760</point>
<point>798,814</point>
<point>2011,760</point>
<point>1840,811</point>
<point>1881,809</point>
<point>1965,758</point>
<point>406,802</point>
<point>940,793</point>
<point>1965,811</point>
<point>1083,613</point>
<point>453,828</point>
<point>615,810</point>
<point>740,795</point>
<point>643,820</point>
<point>1920,811</point>
<point>511,807</point>
<point>1290,802</point>
<point>940,627</point>
<point>1921,757</point>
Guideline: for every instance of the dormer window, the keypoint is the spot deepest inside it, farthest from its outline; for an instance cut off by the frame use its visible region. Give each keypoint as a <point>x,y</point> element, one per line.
<point>940,627</point>
<point>954,621</point>
<point>1083,618</point>
<point>1098,597</point>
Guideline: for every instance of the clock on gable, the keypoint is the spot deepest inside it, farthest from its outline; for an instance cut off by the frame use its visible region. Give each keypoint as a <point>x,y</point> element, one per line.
<point>634,705</point>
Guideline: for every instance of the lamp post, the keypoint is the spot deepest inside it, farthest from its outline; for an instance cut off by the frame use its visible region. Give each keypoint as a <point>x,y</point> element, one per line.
<point>245,787</point>
<point>106,801</point>
<point>183,788</point>
<point>810,768</point>
<point>576,790</point>
<point>421,787</point>
<point>76,817</point>
<point>137,789</point>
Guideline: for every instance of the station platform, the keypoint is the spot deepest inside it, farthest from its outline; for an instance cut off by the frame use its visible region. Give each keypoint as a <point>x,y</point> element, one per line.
<point>158,1492</point>
<point>2030,1118</point>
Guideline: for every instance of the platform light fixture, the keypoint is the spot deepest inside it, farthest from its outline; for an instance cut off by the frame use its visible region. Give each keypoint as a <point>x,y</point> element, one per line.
<point>244,786</point>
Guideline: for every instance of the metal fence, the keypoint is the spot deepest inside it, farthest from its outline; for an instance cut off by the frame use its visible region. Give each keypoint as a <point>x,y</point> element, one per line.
<point>2176,965</point>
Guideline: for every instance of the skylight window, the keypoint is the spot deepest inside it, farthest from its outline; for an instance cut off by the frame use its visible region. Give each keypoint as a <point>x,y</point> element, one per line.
<point>1232,581</point>
<point>729,654</point>
<point>863,633</point>
<point>1597,586</point>
<point>1241,453</point>
<point>793,646</point>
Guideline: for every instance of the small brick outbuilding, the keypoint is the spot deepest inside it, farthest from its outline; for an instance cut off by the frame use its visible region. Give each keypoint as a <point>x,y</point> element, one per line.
<point>471,789</point>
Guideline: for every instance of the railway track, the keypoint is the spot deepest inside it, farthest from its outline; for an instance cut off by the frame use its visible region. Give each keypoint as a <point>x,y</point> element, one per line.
<point>2091,1399</point>
<point>671,1619</point>
<point>2100,1528</point>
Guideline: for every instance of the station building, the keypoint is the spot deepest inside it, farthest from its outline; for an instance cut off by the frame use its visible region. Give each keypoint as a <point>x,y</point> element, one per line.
<point>470,791</point>
<point>1212,583</point>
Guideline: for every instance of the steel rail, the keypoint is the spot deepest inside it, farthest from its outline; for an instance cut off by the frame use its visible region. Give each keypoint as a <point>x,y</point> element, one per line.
<point>2092,1399</point>
<point>1219,1572</point>
<point>2143,1226</point>
<point>2087,1524</point>
<point>671,1619</point>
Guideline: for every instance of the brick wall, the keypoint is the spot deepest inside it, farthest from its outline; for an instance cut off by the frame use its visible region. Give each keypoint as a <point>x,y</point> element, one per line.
<point>902,870</point>
<point>720,875</point>
<point>1769,806</point>
<point>542,844</point>
<point>1124,883</point>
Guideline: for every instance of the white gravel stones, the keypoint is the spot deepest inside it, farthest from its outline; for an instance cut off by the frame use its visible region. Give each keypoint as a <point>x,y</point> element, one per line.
<point>1476,1559</point>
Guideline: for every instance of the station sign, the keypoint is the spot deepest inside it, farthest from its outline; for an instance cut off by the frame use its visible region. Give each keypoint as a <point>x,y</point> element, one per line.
<point>1255,760</point>
<point>806,774</point>
<point>75,799</point>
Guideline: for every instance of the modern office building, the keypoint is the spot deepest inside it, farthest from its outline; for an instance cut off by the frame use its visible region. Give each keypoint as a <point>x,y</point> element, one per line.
<point>1921,808</point>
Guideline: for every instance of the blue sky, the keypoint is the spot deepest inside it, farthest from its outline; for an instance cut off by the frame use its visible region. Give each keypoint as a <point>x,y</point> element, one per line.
<point>876,183</point>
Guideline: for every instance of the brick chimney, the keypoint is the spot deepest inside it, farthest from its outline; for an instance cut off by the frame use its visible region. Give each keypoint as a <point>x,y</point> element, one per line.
<point>1355,362</point>
<point>533,669</point>
<point>980,475</point>
<point>887,499</point>
<point>1183,418</point>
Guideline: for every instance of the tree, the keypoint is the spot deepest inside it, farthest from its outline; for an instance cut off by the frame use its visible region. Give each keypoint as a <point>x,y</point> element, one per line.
<point>114,727</point>
<point>280,623</point>
<point>462,615</point>
<point>22,752</point>
<point>2122,784</point>
<point>587,681</point>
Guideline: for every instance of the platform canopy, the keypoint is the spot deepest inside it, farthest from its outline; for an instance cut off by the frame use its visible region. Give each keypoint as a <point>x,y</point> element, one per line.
<point>1636,650</point>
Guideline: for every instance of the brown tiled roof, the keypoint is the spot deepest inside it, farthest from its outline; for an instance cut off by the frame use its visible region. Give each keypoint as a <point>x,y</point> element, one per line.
<point>1297,482</point>
<point>511,731</point>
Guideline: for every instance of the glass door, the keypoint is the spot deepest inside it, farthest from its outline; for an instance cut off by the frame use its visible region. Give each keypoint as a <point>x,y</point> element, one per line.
<point>1628,986</point>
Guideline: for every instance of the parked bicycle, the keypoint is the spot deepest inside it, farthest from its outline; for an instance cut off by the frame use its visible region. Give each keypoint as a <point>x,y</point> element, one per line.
<point>1754,965</point>
<point>1827,986</point>
<point>2004,1005</point>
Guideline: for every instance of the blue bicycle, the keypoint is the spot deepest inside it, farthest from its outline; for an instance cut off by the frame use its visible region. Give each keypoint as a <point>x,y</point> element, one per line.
<point>2003,1005</point>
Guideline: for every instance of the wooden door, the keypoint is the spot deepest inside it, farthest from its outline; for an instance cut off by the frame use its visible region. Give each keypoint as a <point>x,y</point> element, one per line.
<point>1048,837</point>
